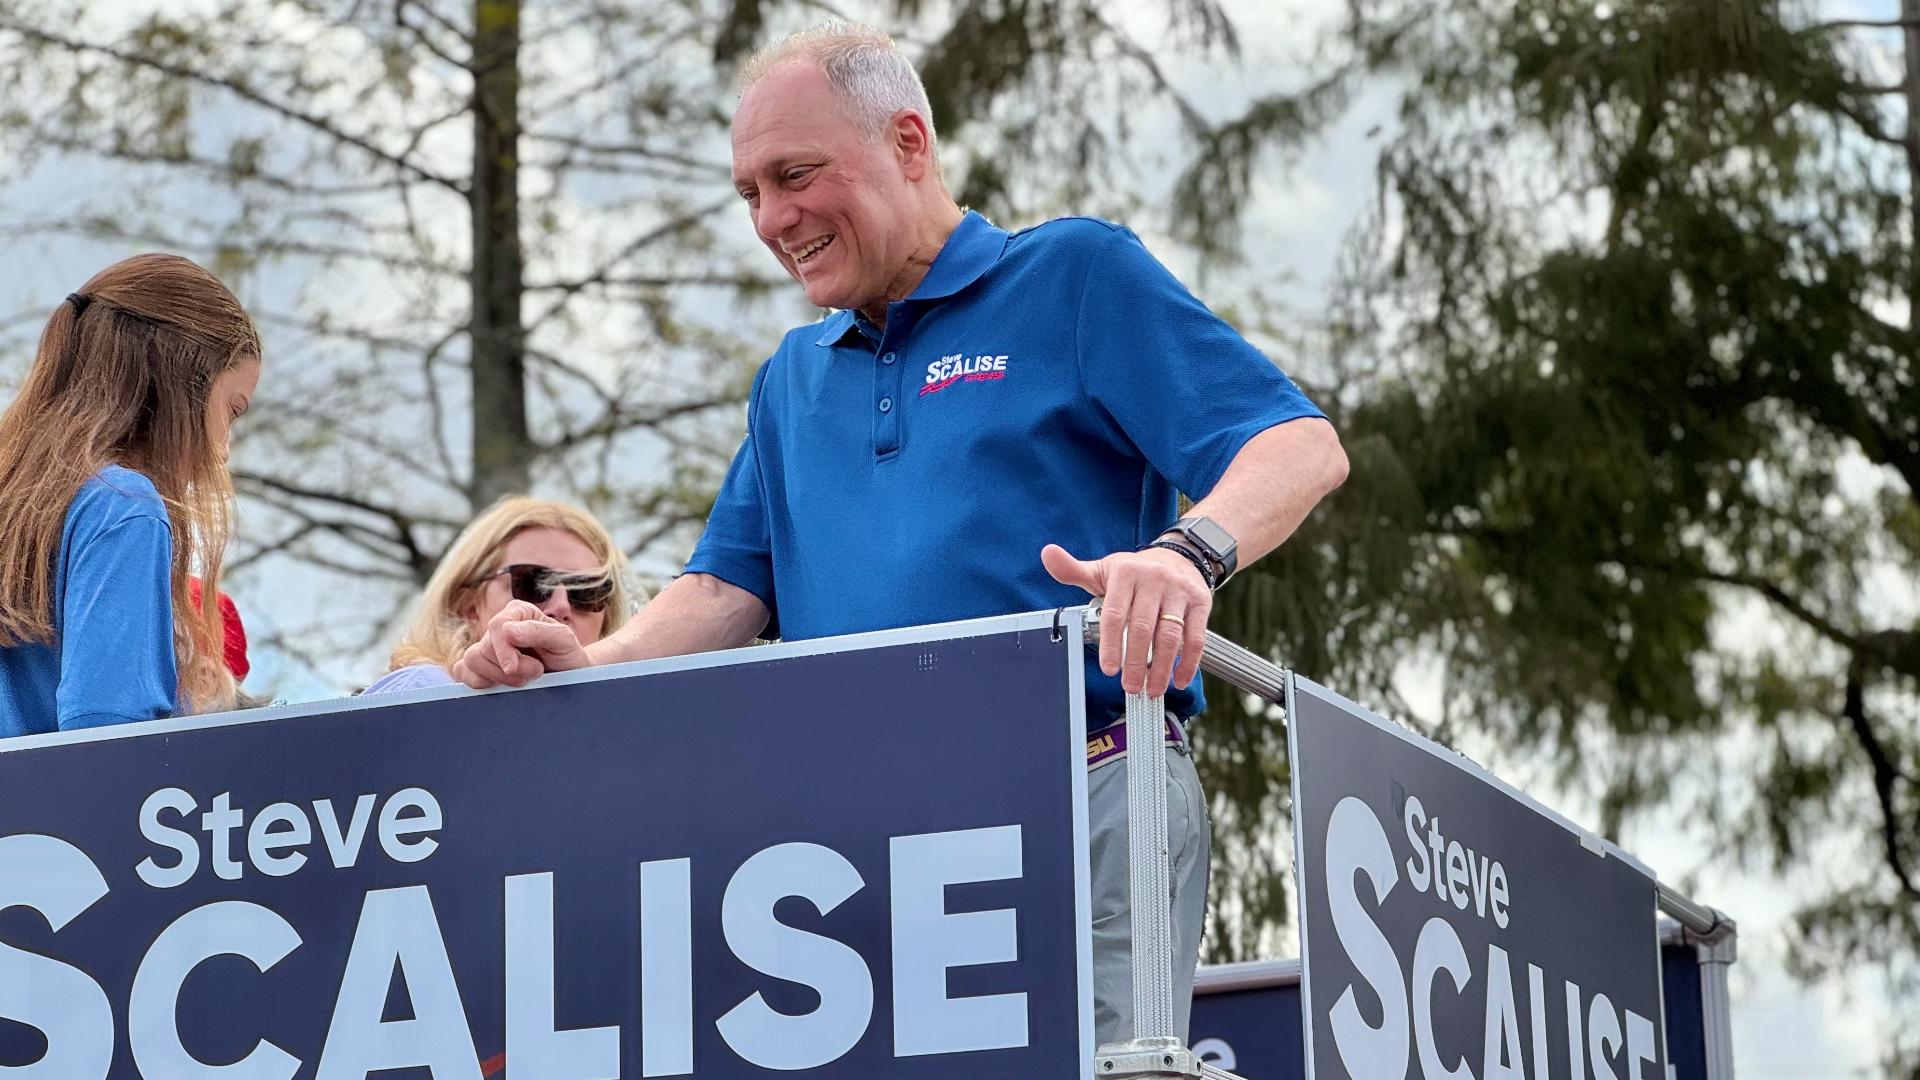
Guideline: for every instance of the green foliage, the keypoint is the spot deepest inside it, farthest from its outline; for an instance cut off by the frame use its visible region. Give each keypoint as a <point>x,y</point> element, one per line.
<point>1647,428</point>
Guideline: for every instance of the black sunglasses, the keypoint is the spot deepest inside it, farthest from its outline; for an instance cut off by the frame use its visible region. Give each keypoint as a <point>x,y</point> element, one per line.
<point>534,584</point>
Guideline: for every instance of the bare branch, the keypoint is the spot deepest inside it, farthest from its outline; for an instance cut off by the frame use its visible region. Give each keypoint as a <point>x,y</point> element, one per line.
<point>273,547</point>
<point>425,40</point>
<point>437,19</point>
<point>574,142</point>
<point>746,281</point>
<point>1859,24</point>
<point>1885,774</point>
<point>223,171</point>
<point>358,335</point>
<point>618,420</point>
<point>239,90</point>
<point>403,524</point>
<point>1868,124</point>
<point>1786,602</point>
<point>638,244</point>
<point>553,362</point>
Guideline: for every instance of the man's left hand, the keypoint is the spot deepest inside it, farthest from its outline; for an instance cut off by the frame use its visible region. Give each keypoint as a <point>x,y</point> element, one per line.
<point>1156,600</point>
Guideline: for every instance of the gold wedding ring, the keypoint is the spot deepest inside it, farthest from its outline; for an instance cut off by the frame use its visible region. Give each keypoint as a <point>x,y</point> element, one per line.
<point>1173,619</point>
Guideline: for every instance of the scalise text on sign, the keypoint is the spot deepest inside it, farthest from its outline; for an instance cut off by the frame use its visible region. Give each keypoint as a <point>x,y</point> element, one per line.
<point>1357,849</point>
<point>397,930</point>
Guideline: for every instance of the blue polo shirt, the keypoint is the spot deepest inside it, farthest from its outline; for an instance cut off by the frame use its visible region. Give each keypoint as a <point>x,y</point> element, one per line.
<point>1054,385</point>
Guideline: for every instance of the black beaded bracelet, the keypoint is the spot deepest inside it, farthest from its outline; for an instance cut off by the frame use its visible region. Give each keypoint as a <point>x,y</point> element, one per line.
<point>1198,560</point>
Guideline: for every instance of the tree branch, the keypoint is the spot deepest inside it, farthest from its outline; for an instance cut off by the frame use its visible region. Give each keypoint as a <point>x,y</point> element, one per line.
<point>1868,125</point>
<point>240,90</point>
<point>403,524</point>
<point>617,420</point>
<point>574,142</point>
<point>639,243</point>
<point>425,40</point>
<point>1858,24</point>
<point>223,171</point>
<point>1885,774</point>
<point>1786,602</point>
<point>746,281</point>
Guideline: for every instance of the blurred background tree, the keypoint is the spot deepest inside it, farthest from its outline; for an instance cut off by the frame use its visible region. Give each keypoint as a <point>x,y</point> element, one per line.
<point>494,245</point>
<point>1629,381</point>
<point>1623,354</point>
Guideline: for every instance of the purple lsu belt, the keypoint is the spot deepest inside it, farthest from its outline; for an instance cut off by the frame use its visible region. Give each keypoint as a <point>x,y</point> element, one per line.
<point>1111,741</point>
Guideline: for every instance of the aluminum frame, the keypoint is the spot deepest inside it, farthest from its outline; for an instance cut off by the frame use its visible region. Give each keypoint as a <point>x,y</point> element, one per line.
<point>1710,930</point>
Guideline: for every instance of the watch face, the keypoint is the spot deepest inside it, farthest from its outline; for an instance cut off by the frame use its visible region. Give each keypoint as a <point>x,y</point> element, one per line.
<point>1217,540</point>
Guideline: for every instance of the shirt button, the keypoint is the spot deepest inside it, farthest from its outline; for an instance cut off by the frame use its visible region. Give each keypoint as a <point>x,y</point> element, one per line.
<point>888,358</point>
<point>886,404</point>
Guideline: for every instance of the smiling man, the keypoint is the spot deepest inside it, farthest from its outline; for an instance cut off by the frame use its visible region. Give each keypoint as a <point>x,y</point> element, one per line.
<point>979,404</point>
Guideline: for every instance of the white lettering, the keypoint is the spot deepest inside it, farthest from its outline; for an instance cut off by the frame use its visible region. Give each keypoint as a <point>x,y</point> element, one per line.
<point>1438,949</point>
<point>180,840</point>
<point>755,1031</point>
<point>1457,874</point>
<point>1217,1052</point>
<point>1603,1035</point>
<point>535,1047</point>
<point>398,928</point>
<point>1501,1056</point>
<point>1642,1047</point>
<point>1497,887</point>
<point>1576,1044</point>
<point>1537,1003</point>
<point>928,940</point>
<point>666,968</point>
<point>218,823</point>
<point>263,841</point>
<point>227,928</point>
<point>1357,844</point>
<point>1415,815</point>
<point>57,880</point>
<point>394,828</point>
<point>344,850</point>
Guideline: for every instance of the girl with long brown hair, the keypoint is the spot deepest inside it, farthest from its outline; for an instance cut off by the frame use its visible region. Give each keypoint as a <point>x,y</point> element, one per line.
<point>114,494</point>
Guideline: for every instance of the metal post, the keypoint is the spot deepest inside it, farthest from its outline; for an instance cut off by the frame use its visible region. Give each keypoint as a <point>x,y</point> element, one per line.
<point>1717,948</point>
<point>1155,1051</point>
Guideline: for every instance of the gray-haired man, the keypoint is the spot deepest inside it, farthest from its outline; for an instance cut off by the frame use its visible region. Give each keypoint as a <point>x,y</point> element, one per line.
<point>978,404</point>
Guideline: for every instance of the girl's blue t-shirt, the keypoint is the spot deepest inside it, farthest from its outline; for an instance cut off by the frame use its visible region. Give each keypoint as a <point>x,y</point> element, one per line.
<point>111,659</point>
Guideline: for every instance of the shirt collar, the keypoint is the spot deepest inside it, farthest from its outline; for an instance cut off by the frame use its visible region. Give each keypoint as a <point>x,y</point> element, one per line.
<point>976,244</point>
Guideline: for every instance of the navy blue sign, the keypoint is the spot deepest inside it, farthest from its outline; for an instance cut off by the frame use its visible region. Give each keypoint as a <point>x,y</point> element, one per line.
<point>860,858</point>
<point>1451,928</point>
<point>1250,1026</point>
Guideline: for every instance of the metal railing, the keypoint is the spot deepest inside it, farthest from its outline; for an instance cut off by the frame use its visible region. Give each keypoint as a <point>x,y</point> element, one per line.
<point>1155,1050</point>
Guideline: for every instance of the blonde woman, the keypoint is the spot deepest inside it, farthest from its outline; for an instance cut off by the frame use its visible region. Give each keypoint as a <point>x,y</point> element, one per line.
<point>114,495</point>
<point>552,555</point>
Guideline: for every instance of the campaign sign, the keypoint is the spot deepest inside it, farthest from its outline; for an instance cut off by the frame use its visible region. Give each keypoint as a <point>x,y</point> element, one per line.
<point>853,858</point>
<point>1453,928</point>
<point>1246,1017</point>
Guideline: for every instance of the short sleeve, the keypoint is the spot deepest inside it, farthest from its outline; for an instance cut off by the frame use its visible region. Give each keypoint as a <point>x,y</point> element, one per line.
<point>411,677</point>
<point>737,546</point>
<point>1186,389</point>
<point>116,627</point>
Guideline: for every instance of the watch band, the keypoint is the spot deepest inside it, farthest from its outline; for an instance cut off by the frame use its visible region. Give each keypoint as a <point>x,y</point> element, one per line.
<point>1198,560</point>
<point>1212,542</point>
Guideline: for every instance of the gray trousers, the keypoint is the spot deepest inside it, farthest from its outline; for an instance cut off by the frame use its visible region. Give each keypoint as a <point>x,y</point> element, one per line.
<point>1190,844</point>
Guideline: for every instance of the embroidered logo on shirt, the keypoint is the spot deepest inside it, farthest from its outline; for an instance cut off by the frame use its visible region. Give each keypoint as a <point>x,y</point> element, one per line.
<point>959,367</point>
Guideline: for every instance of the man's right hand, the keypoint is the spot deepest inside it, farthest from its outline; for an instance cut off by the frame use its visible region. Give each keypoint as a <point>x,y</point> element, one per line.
<point>521,644</point>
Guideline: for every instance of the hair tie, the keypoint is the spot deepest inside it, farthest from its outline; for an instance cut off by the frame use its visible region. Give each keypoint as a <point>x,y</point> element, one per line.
<point>79,302</point>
